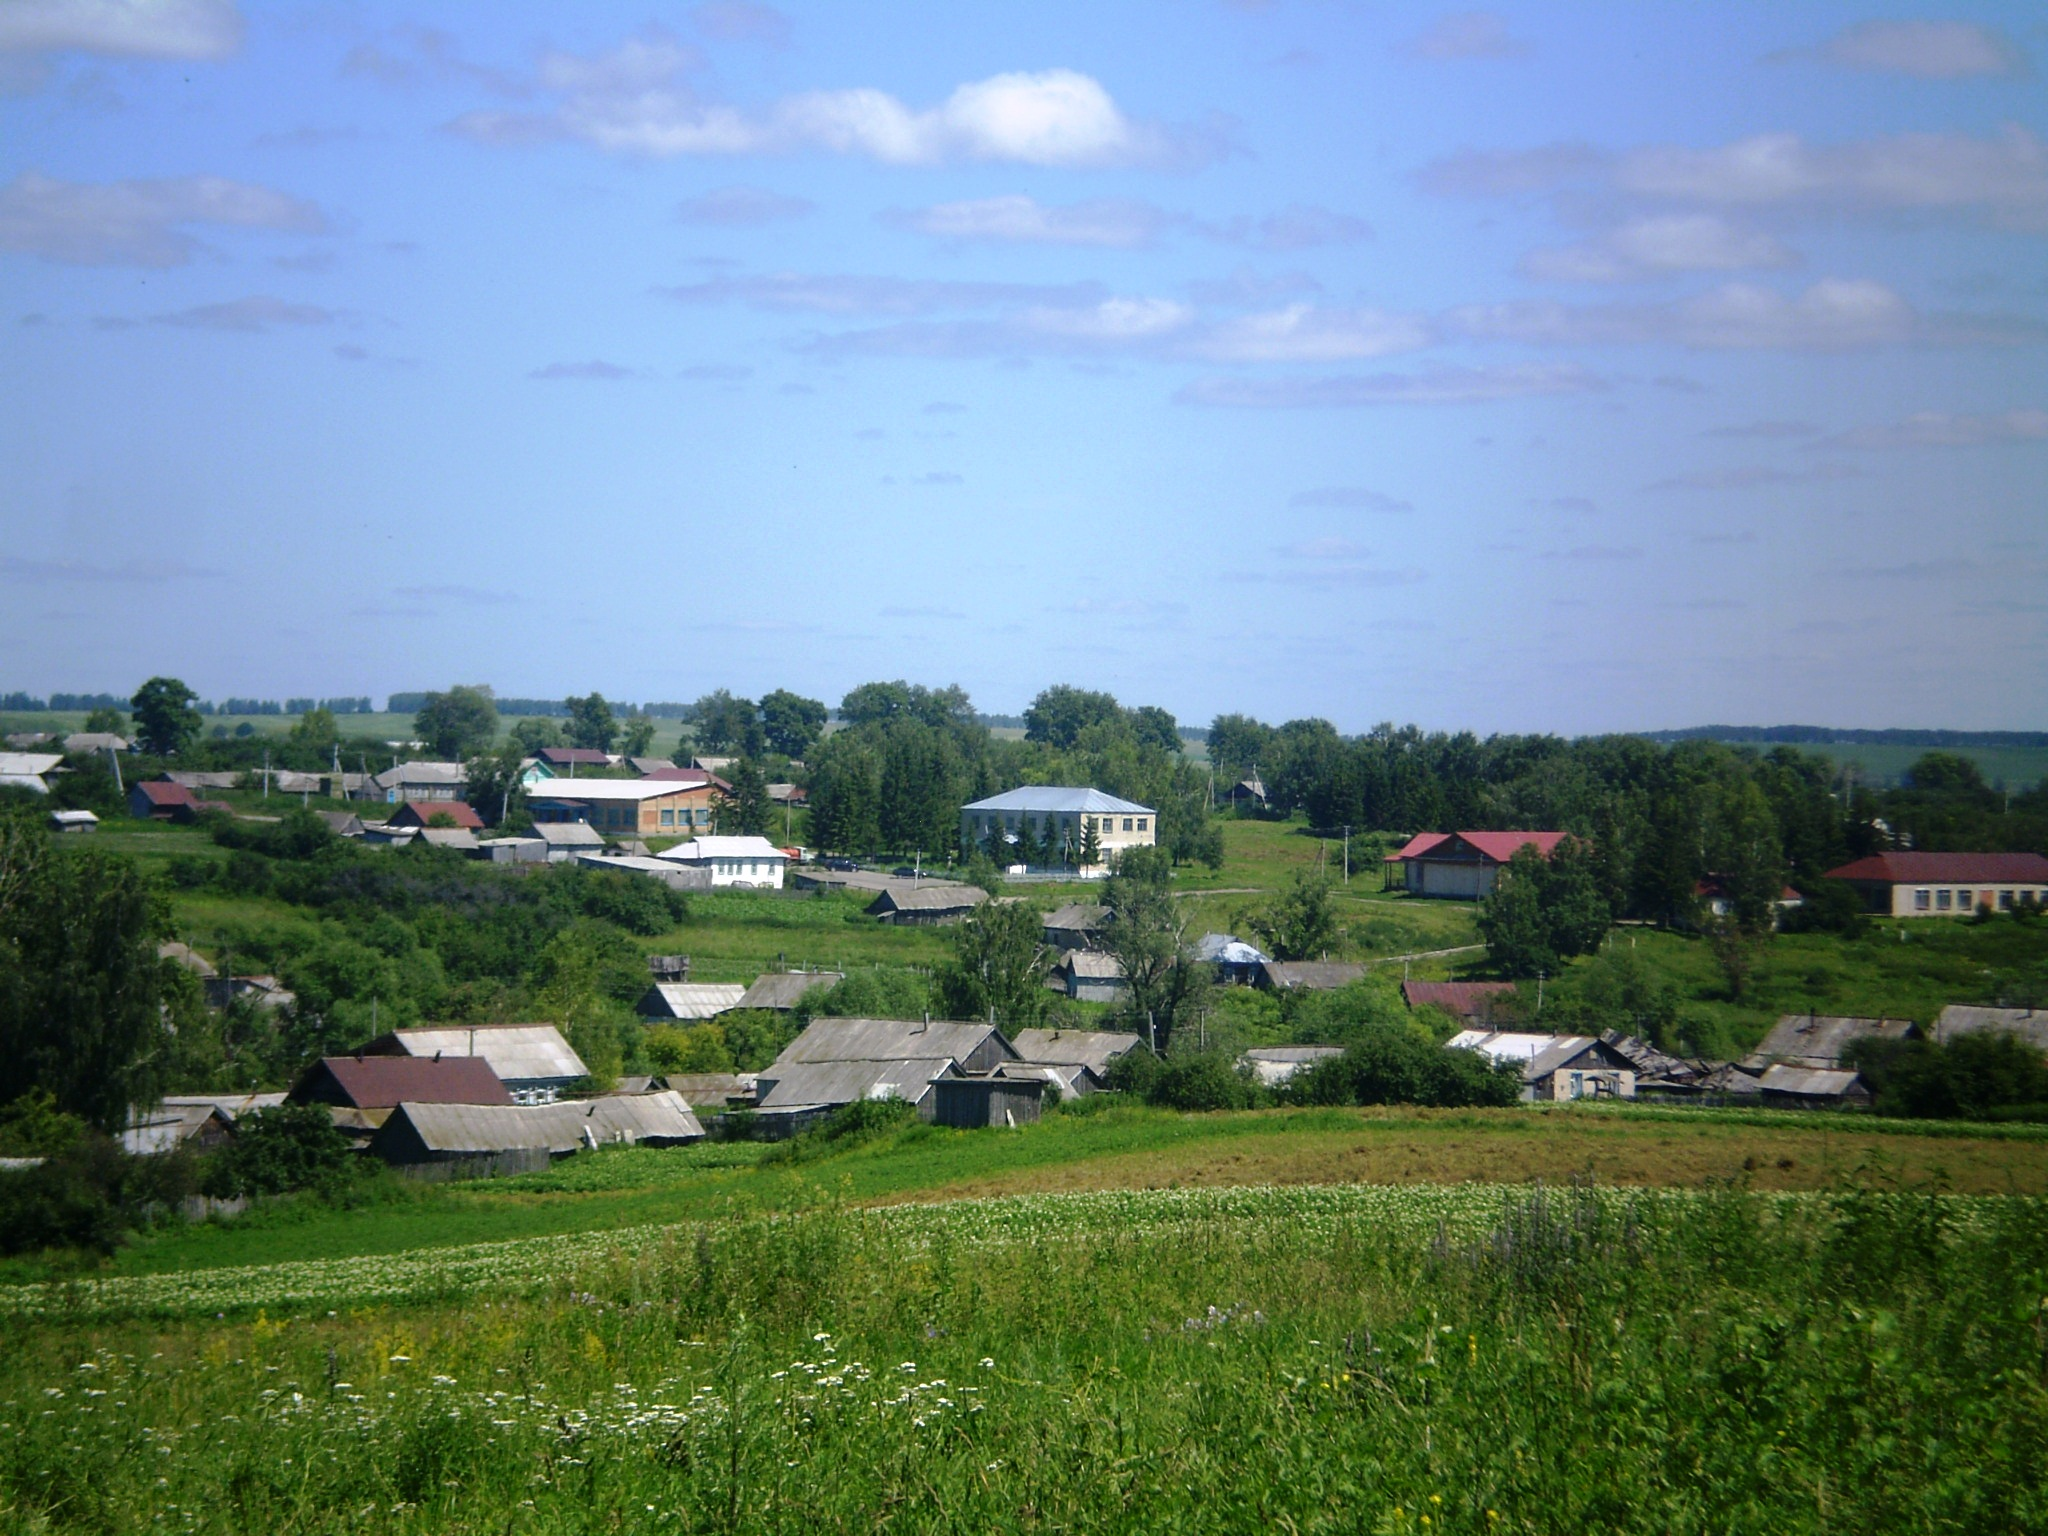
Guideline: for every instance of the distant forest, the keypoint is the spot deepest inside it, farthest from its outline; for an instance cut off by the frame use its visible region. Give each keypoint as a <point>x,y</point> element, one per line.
<point>1823,735</point>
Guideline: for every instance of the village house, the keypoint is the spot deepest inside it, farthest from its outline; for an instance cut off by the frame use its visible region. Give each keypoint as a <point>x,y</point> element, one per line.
<point>1077,925</point>
<point>486,1139</point>
<point>385,1082</point>
<point>626,807</point>
<point>1090,977</point>
<point>1082,1056</point>
<point>79,743</point>
<point>1817,1040</point>
<point>429,813</point>
<point>1473,1002</point>
<point>1308,975</point>
<point>1915,884</point>
<point>158,801</point>
<point>416,781</point>
<point>1555,1068</point>
<point>1067,815</point>
<point>740,861</point>
<point>902,905</point>
<point>2028,1024</point>
<point>1789,1087</point>
<point>780,991</point>
<point>689,1001</point>
<point>839,1061</point>
<point>569,761</point>
<point>532,1060</point>
<point>1462,866</point>
<point>1274,1065</point>
<point>28,770</point>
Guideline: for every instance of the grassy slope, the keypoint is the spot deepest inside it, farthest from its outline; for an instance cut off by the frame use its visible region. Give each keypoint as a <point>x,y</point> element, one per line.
<point>1139,1148</point>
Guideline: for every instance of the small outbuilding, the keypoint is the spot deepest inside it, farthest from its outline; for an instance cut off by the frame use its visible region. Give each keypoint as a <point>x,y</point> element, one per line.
<point>74,821</point>
<point>1811,1088</point>
<point>1077,925</point>
<point>157,800</point>
<point>1088,977</point>
<point>780,991</point>
<point>689,1001</point>
<point>975,1103</point>
<point>1308,975</point>
<point>1274,1065</point>
<point>925,906</point>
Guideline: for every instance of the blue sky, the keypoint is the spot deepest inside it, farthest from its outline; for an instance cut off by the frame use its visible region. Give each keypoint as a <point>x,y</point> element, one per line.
<point>1558,368</point>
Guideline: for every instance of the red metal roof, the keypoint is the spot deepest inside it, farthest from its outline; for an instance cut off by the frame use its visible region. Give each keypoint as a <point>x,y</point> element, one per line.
<point>689,776</point>
<point>1917,868</point>
<point>383,1082</point>
<point>164,794</point>
<point>1420,843</point>
<point>1500,847</point>
<point>420,813</point>
<point>1467,999</point>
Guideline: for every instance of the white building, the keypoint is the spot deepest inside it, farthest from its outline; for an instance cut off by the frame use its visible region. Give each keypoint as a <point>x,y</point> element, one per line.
<point>745,861</point>
<point>1069,814</point>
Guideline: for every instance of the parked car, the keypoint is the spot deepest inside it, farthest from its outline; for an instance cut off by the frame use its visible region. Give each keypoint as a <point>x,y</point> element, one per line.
<point>904,871</point>
<point>840,866</point>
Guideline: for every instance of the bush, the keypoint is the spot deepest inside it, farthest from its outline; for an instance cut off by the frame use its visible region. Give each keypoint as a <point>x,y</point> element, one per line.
<point>70,1201</point>
<point>33,1126</point>
<point>1191,1082</point>
<point>1396,1066</point>
<point>276,1151</point>
<point>1989,1076</point>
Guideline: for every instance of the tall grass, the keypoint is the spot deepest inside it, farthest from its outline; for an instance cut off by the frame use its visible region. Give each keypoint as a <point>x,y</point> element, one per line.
<point>1418,1360</point>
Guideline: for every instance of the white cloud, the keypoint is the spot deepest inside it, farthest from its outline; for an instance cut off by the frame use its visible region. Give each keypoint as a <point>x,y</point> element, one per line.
<point>1468,35</point>
<point>1113,320</point>
<point>142,29</point>
<point>1311,334</point>
<point>2001,178</point>
<point>1939,429</point>
<point>1931,50</point>
<point>1019,220</point>
<point>1352,497</point>
<point>1656,245</point>
<point>596,370</point>
<point>1441,386</point>
<point>742,208</point>
<point>637,100</point>
<point>1751,477</point>
<point>1832,314</point>
<point>252,316</point>
<point>137,223</point>
<point>852,295</point>
<point>1297,227</point>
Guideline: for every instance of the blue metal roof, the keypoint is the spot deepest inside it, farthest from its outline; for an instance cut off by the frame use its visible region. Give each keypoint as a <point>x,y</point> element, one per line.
<point>1041,798</point>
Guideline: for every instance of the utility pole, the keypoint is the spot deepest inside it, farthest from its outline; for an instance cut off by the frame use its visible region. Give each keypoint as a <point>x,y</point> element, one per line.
<point>1347,853</point>
<point>266,773</point>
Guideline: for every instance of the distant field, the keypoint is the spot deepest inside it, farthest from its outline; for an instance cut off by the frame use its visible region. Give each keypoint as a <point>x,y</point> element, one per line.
<point>2012,767</point>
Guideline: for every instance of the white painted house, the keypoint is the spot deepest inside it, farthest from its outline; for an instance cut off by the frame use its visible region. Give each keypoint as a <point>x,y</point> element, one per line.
<point>1065,814</point>
<point>745,861</point>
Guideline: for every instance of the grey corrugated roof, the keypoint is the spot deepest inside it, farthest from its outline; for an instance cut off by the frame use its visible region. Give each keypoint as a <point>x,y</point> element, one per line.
<point>479,1129</point>
<point>1040,798</point>
<point>460,838</point>
<point>1090,966</point>
<point>516,1052</point>
<point>1315,975</point>
<point>1080,916</point>
<point>690,999</point>
<point>785,989</point>
<point>420,773</point>
<point>568,834</point>
<point>1809,1081</point>
<point>884,1040</point>
<point>928,898</point>
<point>1818,1039</point>
<point>2030,1024</point>
<point>1070,1077</point>
<point>842,1082</point>
<point>1093,1048</point>
<point>229,1104</point>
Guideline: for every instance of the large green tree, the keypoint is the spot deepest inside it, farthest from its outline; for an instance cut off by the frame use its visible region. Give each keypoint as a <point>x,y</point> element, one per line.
<point>457,723</point>
<point>745,809</point>
<point>592,725</point>
<point>1542,912</point>
<point>1062,712</point>
<point>1168,987</point>
<point>998,967</point>
<point>1302,924</point>
<point>165,721</point>
<point>81,987</point>
<point>790,722</point>
<point>724,723</point>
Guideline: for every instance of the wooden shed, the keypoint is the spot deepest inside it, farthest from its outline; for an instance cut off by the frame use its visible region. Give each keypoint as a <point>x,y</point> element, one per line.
<point>973,1103</point>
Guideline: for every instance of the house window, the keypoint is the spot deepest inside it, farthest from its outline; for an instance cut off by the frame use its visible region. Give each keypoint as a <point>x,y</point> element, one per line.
<point>1942,900</point>
<point>1963,901</point>
<point>1141,823</point>
<point>2004,900</point>
<point>1127,823</point>
<point>1920,899</point>
<point>668,818</point>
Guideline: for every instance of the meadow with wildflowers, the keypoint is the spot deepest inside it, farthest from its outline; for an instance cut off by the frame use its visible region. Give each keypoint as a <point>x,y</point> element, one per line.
<point>1419,1359</point>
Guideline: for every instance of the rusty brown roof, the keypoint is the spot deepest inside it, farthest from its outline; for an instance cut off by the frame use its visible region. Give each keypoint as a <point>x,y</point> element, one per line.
<point>382,1082</point>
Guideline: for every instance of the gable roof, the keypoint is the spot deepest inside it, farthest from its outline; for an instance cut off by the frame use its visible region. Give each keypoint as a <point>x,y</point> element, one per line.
<point>1089,965</point>
<point>1041,798</point>
<point>31,765</point>
<point>1420,843</point>
<point>1466,999</point>
<point>420,813</point>
<point>1092,1048</point>
<point>420,773</point>
<point>2030,1024</point>
<point>785,989</point>
<point>94,741</point>
<point>941,897</point>
<point>480,1129</point>
<point>562,757</point>
<point>701,850</point>
<point>1314,975</point>
<point>1912,866</point>
<point>1811,1082</point>
<point>890,1040</point>
<point>384,1082</point>
<point>689,999</point>
<point>516,1052</point>
<point>1493,847</point>
<point>785,1086</point>
<point>1078,916</point>
<point>460,838</point>
<point>568,834</point>
<point>1538,1055</point>
<point>157,792</point>
<point>1818,1039</point>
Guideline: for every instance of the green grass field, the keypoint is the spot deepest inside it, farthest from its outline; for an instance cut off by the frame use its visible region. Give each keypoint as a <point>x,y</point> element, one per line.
<point>1421,1359</point>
